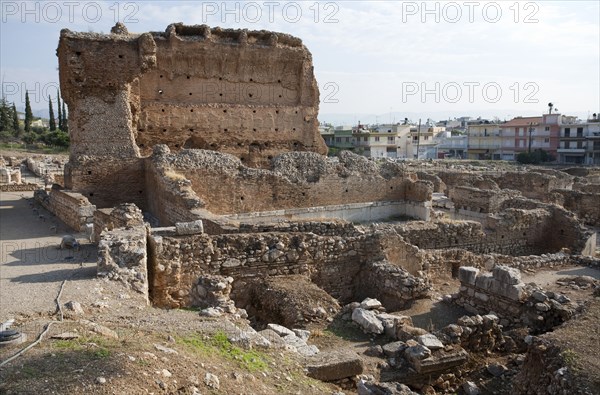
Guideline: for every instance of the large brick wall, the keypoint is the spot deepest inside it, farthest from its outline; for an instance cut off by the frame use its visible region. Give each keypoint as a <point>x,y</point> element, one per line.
<point>249,93</point>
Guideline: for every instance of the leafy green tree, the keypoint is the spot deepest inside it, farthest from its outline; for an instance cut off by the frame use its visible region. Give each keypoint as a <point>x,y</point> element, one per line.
<point>15,121</point>
<point>52,121</point>
<point>4,115</point>
<point>65,119</point>
<point>535,157</point>
<point>60,114</point>
<point>29,137</point>
<point>28,113</point>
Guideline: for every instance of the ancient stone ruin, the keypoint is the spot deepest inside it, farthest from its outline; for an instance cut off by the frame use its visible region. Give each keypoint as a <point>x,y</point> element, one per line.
<point>196,159</point>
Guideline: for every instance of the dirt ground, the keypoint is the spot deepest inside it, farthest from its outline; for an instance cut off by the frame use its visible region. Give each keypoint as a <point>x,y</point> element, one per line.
<point>137,350</point>
<point>32,267</point>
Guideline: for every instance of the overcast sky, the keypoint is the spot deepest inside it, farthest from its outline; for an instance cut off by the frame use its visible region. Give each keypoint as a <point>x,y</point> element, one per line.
<point>374,60</point>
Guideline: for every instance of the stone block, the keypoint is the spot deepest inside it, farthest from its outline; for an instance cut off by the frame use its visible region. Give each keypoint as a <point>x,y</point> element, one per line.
<point>485,281</point>
<point>467,274</point>
<point>507,275</point>
<point>441,361</point>
<point>394,349</point>
<point>481,296</point>
<point>189,228</point>
<point>516,292</point>
<point>367,320</point>
<point>335,365</point>
<point>416,353</point>
<point>370,304</point>
<point>391,322</point>
<point>281,330</point>
<point>430,341</point>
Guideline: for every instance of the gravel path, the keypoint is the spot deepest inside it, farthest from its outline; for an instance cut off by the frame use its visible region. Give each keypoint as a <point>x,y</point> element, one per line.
<point>31,267</point>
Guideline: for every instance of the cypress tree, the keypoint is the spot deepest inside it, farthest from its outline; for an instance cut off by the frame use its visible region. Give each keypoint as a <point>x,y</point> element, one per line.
<point>65,119</point>
<point>4,115</point>
<point>15,121</point>
<point>28,113</point>
<point>52,121</point>
<point>60,115</point>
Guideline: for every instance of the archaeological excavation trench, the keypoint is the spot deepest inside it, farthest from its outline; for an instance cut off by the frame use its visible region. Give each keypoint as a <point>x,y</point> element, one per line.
<point>206,185</point>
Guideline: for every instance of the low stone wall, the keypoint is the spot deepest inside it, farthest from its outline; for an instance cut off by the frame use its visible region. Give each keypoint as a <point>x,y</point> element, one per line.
<point>177,261</point>
<point>587,188</point>
<point>122,256</point>
<point>73,209</point>
<point>122,216</point>
<point>480,200</point>
<point>474,333</point>
<point>393,286</point>
<point>534,184</point>
<point>518,304</point>
<point>433,235</point>
<point>501,291</point>
<point>331,228</point>
<point>18,187</point>
<point>172,199</point>
<point>585,204</point>
<point>502,235</point>
<point>340,265</point>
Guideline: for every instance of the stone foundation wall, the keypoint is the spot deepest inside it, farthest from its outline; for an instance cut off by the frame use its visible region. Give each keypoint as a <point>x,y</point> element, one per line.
<point>296,180</point>
<point>122,256</point>
<point>585,204</point>
<point>333,228</point>
<point>392,285</point>
<point>108,181</point>
<point>19,187</point>
<point>480,200</point>
<point>124,215</point>
<point>171,199</point>
<point>534,184</point>
<point>331,262</point>
<point>73,209</point>
<point>501,291</point>
<point>518,304</point>
<point>508,233</point>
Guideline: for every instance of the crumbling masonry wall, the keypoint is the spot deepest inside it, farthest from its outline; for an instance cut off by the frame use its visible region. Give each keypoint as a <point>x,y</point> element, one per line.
<point>73,209</point>
<point>248,93</point>
<point>224,185</point>
<point>331,262</point>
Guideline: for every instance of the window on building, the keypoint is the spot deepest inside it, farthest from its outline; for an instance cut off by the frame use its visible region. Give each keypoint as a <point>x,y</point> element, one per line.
<point>567,144</point>
<point>426,138</point>
<point>365,139</point>
<point>391,139</point>
<point>580,144</point>
<point>579,132</point>
<point>338,139</point>
<point>546,140</point>
<point>347,139</point>
<point>567,132</point>
<point>389,130</point>
<point>376,138</point>
<point>485,132</point>
<point>415,139</point>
